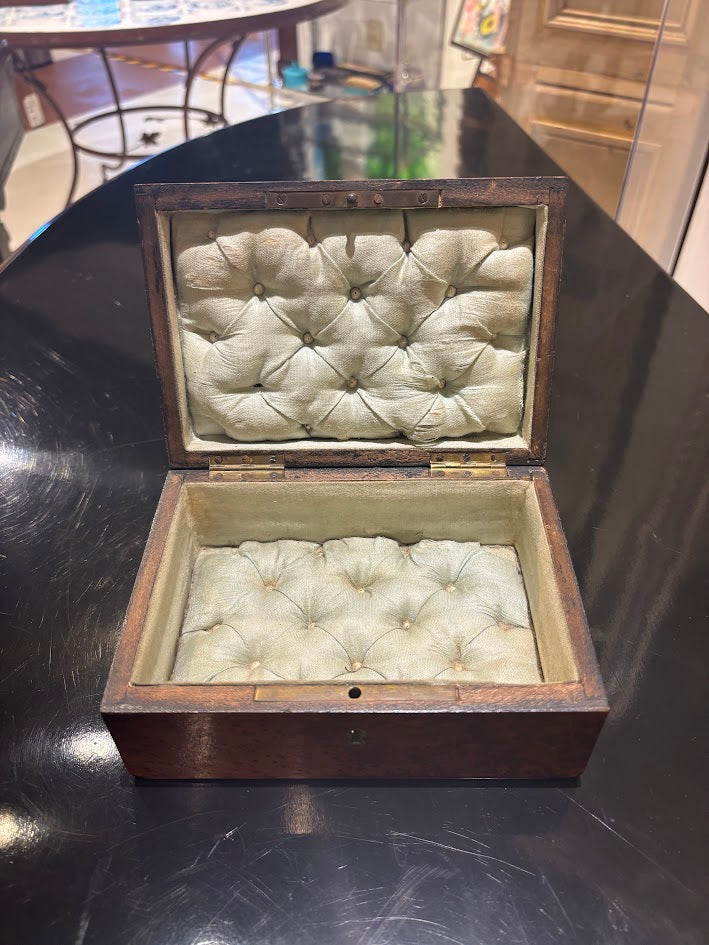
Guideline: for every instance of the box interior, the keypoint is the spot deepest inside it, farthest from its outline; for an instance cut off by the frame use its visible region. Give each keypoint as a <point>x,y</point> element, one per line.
<point>524,640</point>
<point>354,329</point>
<point>357,610</point>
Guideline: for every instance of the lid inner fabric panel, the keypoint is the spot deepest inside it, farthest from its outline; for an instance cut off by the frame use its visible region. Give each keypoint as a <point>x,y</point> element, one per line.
<point>354,325</point>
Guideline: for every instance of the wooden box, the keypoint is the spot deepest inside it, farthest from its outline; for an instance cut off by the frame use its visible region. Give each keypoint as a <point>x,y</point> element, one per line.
<point>356,568</point>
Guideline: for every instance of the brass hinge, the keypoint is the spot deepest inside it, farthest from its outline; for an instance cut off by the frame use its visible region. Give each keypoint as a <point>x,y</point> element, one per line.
<point>258,466</point>
<point>468,466</point>
<point>385,199</point>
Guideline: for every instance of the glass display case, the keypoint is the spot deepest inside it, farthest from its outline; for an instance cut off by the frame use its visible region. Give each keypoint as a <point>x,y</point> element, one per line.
<point>400,40</point>
<point>615,91</point>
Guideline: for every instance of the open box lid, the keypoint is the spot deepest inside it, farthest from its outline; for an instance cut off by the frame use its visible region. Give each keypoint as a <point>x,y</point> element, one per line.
<point>354,323</point>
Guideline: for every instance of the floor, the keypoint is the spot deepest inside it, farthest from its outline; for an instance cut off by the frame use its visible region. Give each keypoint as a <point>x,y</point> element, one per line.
<point>144,75</point>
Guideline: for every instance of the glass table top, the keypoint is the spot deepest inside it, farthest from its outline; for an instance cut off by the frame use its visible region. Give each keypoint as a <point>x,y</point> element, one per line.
<point>120,15</point>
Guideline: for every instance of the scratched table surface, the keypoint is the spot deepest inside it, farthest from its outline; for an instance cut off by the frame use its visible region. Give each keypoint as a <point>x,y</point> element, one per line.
<point>91,856</point>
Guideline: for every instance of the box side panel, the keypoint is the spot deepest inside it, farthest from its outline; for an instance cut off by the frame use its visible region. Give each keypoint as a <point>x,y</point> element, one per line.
<point>166,607</point>
<point>543,593</point>
<point>542,217</point>
<point>132,631</point>
<point>158,279</point>
<point>488,511</point>
<point>554,744</point>
<point>545,336</point>
<point>570,595</point>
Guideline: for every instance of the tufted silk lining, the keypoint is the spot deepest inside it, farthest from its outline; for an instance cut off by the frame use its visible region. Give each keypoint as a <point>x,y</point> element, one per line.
<point>374,325</point>
<point>355,610</point>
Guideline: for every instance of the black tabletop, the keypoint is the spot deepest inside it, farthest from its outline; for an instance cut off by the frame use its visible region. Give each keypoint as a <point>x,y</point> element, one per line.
<point>91,856</point>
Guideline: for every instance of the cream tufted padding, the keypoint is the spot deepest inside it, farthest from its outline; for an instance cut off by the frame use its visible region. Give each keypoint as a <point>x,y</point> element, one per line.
<point>354,324</point>
<point>357,609</point>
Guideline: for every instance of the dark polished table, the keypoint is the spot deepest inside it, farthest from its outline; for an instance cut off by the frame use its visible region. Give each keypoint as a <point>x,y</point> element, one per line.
<point>90,856</point>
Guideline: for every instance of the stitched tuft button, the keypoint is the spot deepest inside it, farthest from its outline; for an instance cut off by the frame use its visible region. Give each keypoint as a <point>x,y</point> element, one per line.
<point>212,234</point>
<point>405,624</point>
<point>403,342</point>
<point>355,666</point>
<point>255,664</point>
<point>451,291</point>
<point>312,241</point>
<point>355,293</point>
<point>308,338</point>
<point>312,625</point>
<point>441,383</point>
<point>458,666</point>
<point>306,426</point>
<point>213,336</point>
<point>407,246</point>
<point>360,590</point>
<point>504,244</point>
<point>268,587</point>
<point>450,587</point>
<point>258,288</point>
<point>351,383</point>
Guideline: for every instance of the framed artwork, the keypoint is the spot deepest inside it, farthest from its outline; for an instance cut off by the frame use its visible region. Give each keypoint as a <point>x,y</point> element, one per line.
<point>481,26</point>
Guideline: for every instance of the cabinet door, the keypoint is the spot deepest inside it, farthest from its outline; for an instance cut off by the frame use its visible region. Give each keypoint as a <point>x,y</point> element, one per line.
<point>574,76</point>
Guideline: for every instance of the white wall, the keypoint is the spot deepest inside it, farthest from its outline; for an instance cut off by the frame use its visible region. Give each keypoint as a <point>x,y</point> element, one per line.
<point>692,270</point>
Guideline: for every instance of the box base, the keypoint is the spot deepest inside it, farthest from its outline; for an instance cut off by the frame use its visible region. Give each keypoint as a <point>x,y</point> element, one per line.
<point>306,730</point>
